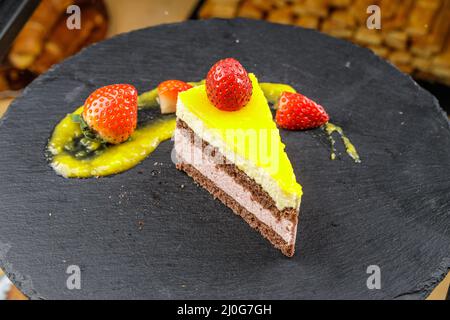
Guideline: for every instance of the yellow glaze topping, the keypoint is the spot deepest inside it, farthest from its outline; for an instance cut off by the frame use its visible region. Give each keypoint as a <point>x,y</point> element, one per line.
<point>349,147</point>
<point>249,132</point>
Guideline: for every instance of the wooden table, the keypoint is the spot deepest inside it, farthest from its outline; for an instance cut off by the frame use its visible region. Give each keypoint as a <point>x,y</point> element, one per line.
<point>4,103</point>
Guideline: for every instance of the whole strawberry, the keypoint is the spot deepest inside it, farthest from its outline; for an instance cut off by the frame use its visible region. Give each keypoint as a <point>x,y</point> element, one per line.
<point>228,86</point>
<point>297,112</point>
<point>111,112</point>
<point>168,94</point>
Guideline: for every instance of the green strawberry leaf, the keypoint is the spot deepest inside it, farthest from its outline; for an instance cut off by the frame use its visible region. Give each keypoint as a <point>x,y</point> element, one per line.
<point>87,132</point>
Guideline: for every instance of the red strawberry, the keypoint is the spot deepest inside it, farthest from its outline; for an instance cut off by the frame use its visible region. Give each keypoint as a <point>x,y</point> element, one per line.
<point>228,86</point>
<point>297,112</point>
<point>168,94</point>
<point>111,112</point>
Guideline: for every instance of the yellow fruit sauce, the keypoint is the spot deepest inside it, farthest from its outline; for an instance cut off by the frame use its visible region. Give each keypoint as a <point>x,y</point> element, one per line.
<point>349,147</point>
<point>273,91</point>
<point>109,159</point>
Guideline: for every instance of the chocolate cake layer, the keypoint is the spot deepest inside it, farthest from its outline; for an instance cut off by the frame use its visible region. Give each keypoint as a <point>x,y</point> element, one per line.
<point>258,194</point>
<point>251,219</point>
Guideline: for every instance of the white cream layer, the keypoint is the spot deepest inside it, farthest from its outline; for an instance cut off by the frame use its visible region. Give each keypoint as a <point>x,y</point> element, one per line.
<point>282,199</point>
<point>186,151</point>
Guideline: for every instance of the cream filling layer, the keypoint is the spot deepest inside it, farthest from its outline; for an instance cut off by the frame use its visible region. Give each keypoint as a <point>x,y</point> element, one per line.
<point>186,151</point>
<point>282,199</point>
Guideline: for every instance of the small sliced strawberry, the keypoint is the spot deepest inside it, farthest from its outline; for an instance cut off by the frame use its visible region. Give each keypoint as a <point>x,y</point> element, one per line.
<point>168,94</point>
<point>297,112</point>
<point>111,112</point>
<point>228,86</point>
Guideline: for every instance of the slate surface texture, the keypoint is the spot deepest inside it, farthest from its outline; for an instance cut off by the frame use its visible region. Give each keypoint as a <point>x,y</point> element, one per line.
<point>141,235</point>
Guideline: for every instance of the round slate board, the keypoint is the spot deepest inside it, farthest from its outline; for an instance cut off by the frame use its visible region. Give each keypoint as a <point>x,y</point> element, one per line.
<point>141,235</point>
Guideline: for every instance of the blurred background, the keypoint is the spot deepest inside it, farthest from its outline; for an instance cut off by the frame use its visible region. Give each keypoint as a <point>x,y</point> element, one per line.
<point>414,36</point>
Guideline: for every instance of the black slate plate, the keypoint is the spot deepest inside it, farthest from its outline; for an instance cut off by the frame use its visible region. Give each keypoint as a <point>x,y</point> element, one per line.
<point>392,210</point>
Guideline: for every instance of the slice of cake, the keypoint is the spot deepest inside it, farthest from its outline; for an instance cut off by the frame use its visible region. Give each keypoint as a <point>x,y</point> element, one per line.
<point>237,155</point>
